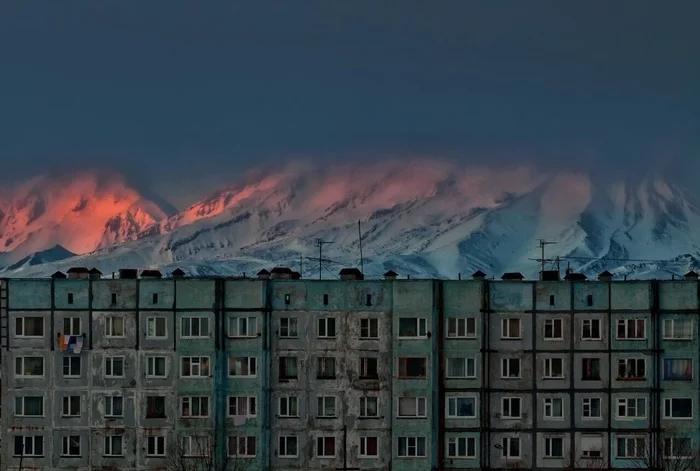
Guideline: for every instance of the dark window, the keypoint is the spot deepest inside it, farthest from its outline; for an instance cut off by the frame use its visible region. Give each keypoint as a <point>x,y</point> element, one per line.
<point>551,300</point>
<point>369,300</point>
<point>114,298</point>
<point>412,367</point>
<point>368,368</point>
<point>325,300</point>
<point>590,368</point>
<point>590,300</point>
<point>155,298</point>
<point>326,368</point>
<point>288,368</point>
<point>70,298</point>
<point>155,407</point>
<point>287,298</point>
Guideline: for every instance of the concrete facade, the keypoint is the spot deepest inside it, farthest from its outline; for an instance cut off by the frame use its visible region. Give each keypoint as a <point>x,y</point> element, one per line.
<point>362,374</point>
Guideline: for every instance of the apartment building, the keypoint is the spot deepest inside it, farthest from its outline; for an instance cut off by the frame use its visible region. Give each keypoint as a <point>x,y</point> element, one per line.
<point>289,374</point>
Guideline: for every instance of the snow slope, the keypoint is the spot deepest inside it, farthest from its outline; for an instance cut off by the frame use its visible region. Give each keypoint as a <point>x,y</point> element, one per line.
<point>419,217</point>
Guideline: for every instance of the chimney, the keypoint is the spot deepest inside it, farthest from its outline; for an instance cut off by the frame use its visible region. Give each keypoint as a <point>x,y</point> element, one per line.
<point>605,276</point>
<point>296,275</point>
<point>128,274</point>
<point>549,275</point>
<point>151,274</point>
<point>94,274</point>
<point>575,277</point>
<point>263,275</point>
<point>390,275</point>
<point>691,275</point>
<point>351,274</point>
<point>78,273</point>
<point>178,274</point>
<point>513,276</point>
<point>281,273</point>
<point>59,275</point>
<point>479,275</point>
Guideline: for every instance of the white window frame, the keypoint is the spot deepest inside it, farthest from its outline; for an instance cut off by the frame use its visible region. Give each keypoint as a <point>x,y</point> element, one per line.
<point>363,447</point>
<point>672,334</point>
<point>242,442</point>
<point>549,368</point>
<point>587,402</point>
<point>455,441</point>
<point>109,406</point>
<point>365,406</point>
<point>152,327</point>
<point>242,327</point>
<point>20,401</point>
<point>668,443</point>
<point>459,328</point>
<point>286,439</point>
<point>420,401</point>
<point>198,366</point>
<point>548,403</point>
<point>20,365</point>
<point>506,445</point>
<point>506,333</point>
<point>326,401</point>
<point>452,402</point>
<point>67,409</point>
<point>590,323</point>
<point>421,325</point>
<point>189,321</point>
<point>368,324</point>
<point>627,362</point>
<point>190,402</point>
<point>553,322</point>
<point>249,403</point>
<point>157,443</point>
<point>108,449</point>
<point>548,447</point>
<point>505,368</point>
<point>68,361</point>
<point>511,400</point>
<point>467,362</point>
<point>200,443</point>
<point>72,325</point>
<point>246,363</point>
<point>292,402</point>
<point>110,326</point>
<point>365,368</point>
<point>324,326</point>
<point>630,324</point>
<point>625,401</point>
<point>30,445</point>
<point>668,405</point>
<point>415,446</point>
<point>111,363</point>
<point>66,446</point>
<point>22,320</point>
<point>628,438</point>
<point>151,366</point>
<point>321,450</point>
<point>289,328</point>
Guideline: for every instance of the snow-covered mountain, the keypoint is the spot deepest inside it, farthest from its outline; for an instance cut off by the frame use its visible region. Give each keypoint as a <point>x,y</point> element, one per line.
<point>419,217</point>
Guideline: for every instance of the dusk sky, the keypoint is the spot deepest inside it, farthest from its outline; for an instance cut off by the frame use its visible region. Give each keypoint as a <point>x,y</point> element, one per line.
<point>167,90</point>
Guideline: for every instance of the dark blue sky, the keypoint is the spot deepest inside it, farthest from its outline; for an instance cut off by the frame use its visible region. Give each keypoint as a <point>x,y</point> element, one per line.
<point>179,88</point>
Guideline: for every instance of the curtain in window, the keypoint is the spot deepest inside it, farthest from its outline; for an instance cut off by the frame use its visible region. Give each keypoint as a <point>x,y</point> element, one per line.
<point>456,367</point>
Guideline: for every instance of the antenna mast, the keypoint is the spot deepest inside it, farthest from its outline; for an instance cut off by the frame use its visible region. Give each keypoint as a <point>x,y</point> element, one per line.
<point>544,243</point>
<point>321,243</point>
<point>362,260</point>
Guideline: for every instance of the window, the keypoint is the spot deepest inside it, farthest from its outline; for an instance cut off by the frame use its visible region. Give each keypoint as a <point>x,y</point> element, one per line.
<point>29,326</point>
<point>412,406</point>
<point>325,447</point>
<point>155,446</point>
<point>243,447</point>
<point>411,447</point>
<point>368,301</point>
<point>114,367</point>
<point>461,328</point>
<point>590,329</point>
<point>194,327</point>
<point>369,328</point>
<point>114,298</point>
<point>510,447</point>
<point>114,446</point>
<point>70,446</point>
<point>71,367</point>
<point>243,326</point>
<point>631,329</point>
<point>71,326</point>
<point>155,367</point>
<point>461,407</point>
<point>242,405</point>
<point>553,329</point>
<point>325,300</point>
<point>678,408</point>
<point>114,326</point>
<point>412,327</point>
<point>554,408</point>
<point>631,368</point>
<point>590,369</point>
<point>194,406</point>
<point>70,298</point>
<point>326,406</point>
<point>590,408</point>
<point>589,300</point>
<point>510,368</point>
<point>29,366</point>
<point>461,447</point>
<point>29,406</point>
<point>510,328</point>
<point>631,408</point>
<point>369,368</point>
<point>155,407</point>
<point>29,446</point>
<point>114,406</point>
<point>678,329</point>
<point>194,367</point>
<point>288,406</point>
<point>154,300</point>
<point>630,447</point>
<point>156,327</point>
<point>678,369</point>
<point>461,368</point>
<point>288,368</point>
<point>287,299</point>
<point>369,447</point>
<point>196,445</point>
<point>412,367</point>
<point>591,445</point>
<point>70,406</point>
<point>554,368</point>
<point>325,368</point>
<point>553,447</point>
<point>369,406</point>
<point>510,408</point>
<point>679,447</point>
<point>288,327</point>
<point>326,327</point>
<point>288,446</point>
<point>242,366</point>
<point>551,300</point>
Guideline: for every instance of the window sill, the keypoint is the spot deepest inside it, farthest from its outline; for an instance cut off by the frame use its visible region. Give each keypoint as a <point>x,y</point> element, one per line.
<point>555,378</point>
<point>678,379</point>
<point>630,379</point>
<point>370,378</point>
<point>591,339</point>
<point>553,339</point>
<point>591,379</point>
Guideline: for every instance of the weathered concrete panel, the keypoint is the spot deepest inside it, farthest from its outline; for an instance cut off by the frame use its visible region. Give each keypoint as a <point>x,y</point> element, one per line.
<point>678,295</point>
<point>29,294</point>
